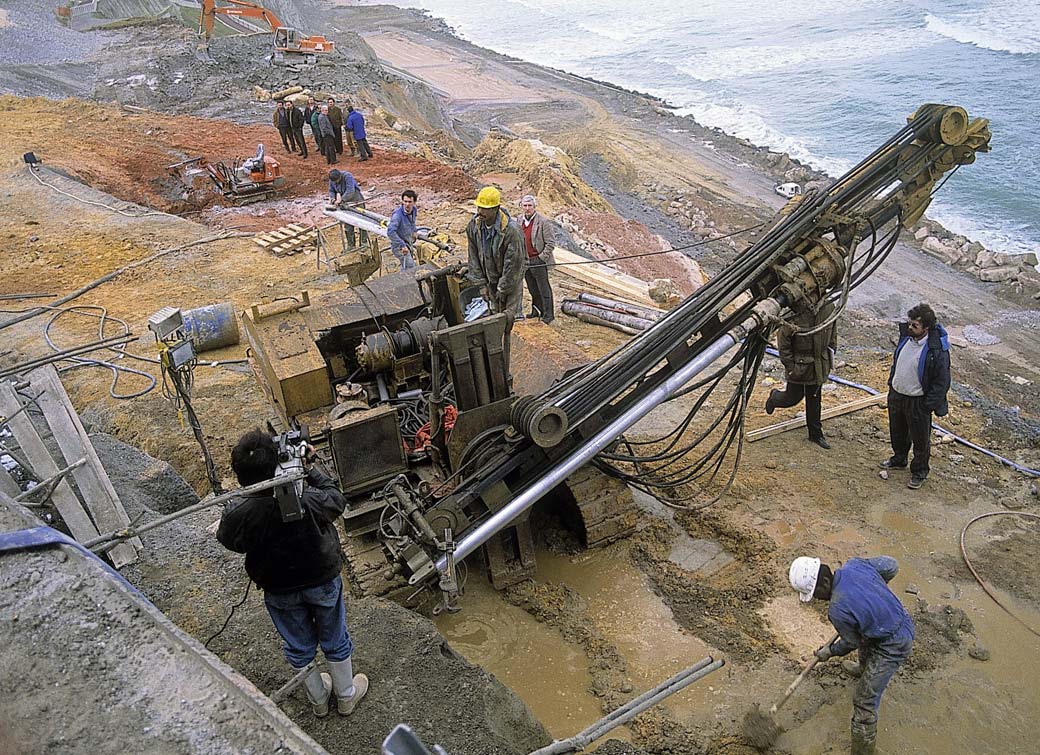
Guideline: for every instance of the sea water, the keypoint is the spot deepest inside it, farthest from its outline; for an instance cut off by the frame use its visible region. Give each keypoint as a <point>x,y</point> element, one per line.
<point>824,80</point>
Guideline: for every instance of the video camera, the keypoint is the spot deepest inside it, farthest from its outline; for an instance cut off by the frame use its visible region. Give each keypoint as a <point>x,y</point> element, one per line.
<point>292,451</point>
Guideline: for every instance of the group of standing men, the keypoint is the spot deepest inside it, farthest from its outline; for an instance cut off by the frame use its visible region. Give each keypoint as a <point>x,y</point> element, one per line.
<point>918,381</point>
<point>503,254</point>
<point>328,126</point>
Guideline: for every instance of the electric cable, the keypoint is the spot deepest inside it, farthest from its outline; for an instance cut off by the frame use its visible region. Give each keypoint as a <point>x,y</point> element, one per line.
<point>974,573</point>
<point>124,213</point>
<point>249,584</point>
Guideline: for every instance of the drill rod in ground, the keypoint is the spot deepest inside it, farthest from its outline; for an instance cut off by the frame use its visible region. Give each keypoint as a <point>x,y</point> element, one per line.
<point>633,708</point>
<point>110,540</point>
<point>283,692</point>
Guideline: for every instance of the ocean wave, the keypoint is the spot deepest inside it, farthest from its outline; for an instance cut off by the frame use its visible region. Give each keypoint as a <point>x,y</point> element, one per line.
<point>982,31</point>
<point>1009,239</point>
<point>749,60</point>
<point>743,122</point>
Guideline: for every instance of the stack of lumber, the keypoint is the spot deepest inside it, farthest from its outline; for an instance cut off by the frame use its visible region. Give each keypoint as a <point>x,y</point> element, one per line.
<point>289,239</point>
<point>603,278</point>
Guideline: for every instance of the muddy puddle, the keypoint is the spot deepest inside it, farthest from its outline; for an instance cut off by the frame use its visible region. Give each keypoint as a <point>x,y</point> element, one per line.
<point>551,675</point>
<point>951,703</point>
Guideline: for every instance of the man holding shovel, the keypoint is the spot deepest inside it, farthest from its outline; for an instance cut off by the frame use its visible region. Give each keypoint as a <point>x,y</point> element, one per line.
<point>868,617</point>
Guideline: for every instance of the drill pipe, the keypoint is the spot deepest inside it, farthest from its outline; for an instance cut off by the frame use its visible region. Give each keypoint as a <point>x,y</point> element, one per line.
<point>583,454</point>
<point>633,708</point>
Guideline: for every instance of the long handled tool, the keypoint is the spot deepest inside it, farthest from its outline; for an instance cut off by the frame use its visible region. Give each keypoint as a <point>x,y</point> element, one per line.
<point>760,728</point>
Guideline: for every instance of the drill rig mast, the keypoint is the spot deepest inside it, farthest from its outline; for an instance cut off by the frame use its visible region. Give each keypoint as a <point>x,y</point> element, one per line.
<point>821,245</point>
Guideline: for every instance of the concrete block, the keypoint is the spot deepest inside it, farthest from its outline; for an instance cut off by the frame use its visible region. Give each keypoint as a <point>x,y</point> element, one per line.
<point>986,258</point>
<point>921,234</point>
<point>1028,259</point>
<point>998,274</point>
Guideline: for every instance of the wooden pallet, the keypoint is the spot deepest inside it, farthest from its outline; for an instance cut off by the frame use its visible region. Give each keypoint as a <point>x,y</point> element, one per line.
<point>289,239</point>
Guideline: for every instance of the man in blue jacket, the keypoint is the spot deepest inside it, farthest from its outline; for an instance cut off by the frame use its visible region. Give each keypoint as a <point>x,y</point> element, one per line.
<point>869,618</point>
<point>297,565</point>
<point>356,126</point>
<point>401,229</point>
<point>917,386</point>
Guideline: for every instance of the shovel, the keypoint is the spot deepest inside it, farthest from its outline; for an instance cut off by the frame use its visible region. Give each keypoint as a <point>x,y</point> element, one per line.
<point>760,728</point>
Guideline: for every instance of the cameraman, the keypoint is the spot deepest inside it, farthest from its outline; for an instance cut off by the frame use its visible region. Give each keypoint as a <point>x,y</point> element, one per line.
<point>297,565</point>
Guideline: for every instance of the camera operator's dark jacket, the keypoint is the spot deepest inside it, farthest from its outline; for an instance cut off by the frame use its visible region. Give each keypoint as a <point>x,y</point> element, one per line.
<point>287,556</point>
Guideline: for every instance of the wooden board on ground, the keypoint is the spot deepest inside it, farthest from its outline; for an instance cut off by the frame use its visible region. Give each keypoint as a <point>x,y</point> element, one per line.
<point>834,411</point>
<point>43,466</point>
<point>603,278</point>
<point>289,239</point>
<point>99,496</point>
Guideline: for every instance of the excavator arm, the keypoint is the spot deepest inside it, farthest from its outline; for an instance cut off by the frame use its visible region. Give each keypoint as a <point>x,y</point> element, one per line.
<point>237,8</point>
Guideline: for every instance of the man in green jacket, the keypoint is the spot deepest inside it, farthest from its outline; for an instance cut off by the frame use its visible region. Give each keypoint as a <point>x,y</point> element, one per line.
<point>808,358</point>
<point>496,256</point>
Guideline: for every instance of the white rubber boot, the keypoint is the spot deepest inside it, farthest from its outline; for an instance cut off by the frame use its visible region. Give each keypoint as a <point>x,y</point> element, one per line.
<point>319,691</point>
<point>349,687</point>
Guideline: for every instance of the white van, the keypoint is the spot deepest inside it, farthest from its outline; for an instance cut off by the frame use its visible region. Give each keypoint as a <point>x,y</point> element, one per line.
<point>790,189</point>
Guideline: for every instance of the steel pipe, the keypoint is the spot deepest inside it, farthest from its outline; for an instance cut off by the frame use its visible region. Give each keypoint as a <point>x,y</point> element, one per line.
<point>633,708</point>
<point>582,455</point>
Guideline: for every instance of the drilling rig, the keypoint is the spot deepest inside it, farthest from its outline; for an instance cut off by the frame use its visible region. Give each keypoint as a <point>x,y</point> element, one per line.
<point>440,461</point>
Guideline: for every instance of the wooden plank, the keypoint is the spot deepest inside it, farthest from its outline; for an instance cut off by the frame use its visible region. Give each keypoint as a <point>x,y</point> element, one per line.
<point>43,466</point>
<point>99,496</point>
<point>604,278</point>
<point>834,411</point>
<point>7,484</point>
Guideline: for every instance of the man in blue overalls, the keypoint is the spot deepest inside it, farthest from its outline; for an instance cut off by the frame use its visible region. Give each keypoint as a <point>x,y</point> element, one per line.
<point>868,617</point>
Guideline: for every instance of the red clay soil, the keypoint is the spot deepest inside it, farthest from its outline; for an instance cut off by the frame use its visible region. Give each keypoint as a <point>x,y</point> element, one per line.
<point>614,236</point>
<point>126,154</point>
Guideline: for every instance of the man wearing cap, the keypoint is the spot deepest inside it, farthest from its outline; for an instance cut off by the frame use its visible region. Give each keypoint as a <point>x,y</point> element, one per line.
<point>868,617</point>
<point>345,190</point>
<point>496,256</point>
<point>539,244</point>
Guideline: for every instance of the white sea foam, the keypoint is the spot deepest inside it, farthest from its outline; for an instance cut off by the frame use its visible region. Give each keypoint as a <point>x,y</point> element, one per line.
<point>747,60</point>
<point>1018,36</point>
<point>745,123</point>
<point>1007,239</point>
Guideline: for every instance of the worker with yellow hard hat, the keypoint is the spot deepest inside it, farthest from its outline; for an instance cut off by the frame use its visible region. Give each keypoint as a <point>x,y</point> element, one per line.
<point>496,256</point>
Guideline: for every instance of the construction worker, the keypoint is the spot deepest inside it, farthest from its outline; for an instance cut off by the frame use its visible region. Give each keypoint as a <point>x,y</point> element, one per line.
<point>401,229</point>
<point>309,117</point>
<point>315,128</point>
<point>356,125</point>
<point>539,242</point>
<point>868,617</point>
<point>345,190</point>
<point>297,565</point>
<point>296,121</point>
<point>808,359</point>
<point>917,386</point>
<point>328,135</point>
<point>336,118</point>
<point>496,256</point>
<point>281,122</point>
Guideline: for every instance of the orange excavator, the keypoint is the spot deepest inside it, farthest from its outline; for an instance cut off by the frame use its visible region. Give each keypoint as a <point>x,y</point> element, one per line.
<point>291,47</point>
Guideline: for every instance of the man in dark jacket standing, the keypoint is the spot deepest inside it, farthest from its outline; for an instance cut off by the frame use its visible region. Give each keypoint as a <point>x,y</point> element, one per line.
<point>328,135</point>
<point>496,256</point>
<point>336,119</point>
<point>539,243</point>
<point>296,121</point>
<point>356,125</point>
<point>808,359</point>
<point>297,565</point>
<point>281,122</point>
<point>869,618</point>
<point>917,386</point>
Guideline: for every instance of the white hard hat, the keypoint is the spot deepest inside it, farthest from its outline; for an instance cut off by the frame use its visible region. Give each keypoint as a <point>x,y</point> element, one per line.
<point>803,574</point>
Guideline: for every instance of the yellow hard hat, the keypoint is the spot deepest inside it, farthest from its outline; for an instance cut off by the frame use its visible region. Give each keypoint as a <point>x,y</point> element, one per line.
<point>489,197</point>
